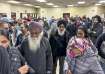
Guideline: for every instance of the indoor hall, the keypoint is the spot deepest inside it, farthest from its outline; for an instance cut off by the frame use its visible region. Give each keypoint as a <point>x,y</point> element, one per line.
<point>52,36</point>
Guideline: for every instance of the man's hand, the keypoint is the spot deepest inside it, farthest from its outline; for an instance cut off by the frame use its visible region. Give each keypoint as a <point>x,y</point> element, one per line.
<point>24,69</point>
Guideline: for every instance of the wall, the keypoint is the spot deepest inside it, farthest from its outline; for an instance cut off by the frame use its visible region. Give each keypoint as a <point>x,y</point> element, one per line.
<point>5,8</point>
<point>21,9</point>
<point>8,8</point>
<point>57,12</point>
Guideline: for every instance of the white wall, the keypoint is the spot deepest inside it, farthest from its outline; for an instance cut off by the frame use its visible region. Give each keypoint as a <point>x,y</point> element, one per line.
<point>58,12</point>
<point>48,12</point>
<point>8,8</point>
<point>21,9</point>
<point>5,8</point>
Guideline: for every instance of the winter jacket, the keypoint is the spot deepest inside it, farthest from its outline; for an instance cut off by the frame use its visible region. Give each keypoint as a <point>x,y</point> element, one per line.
<point>41,59</point>
<point>98,44</point>
<point>59,43</point>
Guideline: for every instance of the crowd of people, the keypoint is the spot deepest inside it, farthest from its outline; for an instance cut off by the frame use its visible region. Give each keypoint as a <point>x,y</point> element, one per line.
<point>34,45</point>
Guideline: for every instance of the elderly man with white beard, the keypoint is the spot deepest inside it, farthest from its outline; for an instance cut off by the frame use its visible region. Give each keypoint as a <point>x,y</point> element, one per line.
<point>37,51</point>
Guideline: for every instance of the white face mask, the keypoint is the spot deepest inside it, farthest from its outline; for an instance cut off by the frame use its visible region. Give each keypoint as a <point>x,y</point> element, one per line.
<point>61,33</point>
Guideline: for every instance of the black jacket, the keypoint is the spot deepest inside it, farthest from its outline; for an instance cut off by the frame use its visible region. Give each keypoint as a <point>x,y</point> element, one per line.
<point>98,28</point>
<point>41,59</point>
<point>98,44</point>
<point>19,39</point>
<point>4,62</point>
<point>16,60</point>
<point>59,43</point>
<point>71,28</point>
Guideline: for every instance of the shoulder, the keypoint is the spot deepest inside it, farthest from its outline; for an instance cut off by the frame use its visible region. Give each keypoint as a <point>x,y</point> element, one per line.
<point>14,50</point>
<point>102,36</point>
<point>45,39</point>
<point>24,41</point>
<point>67,33</point>
<point>20,35</point>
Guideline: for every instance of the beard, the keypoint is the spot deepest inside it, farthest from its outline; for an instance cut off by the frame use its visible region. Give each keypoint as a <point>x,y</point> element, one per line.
<point>61,33</point>
<point>34,43</point>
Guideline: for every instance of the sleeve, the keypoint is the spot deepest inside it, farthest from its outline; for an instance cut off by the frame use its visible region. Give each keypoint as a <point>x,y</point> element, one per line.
<point>98,44</point>
<point>5,67</point>
<point>49,60</point>
<point>94,48</point>
<point>71,41</point>
<point>17,41</point>
<point>99,31</point>
<point>21,48</point>
<point>23,61</point>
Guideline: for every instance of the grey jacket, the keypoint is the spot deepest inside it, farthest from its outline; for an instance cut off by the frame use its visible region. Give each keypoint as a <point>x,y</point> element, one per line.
<point>41,60</point>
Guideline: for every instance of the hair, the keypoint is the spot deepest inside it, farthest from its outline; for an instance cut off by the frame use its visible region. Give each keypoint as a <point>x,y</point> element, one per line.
<point>85,31</point>
<point>98,18</point>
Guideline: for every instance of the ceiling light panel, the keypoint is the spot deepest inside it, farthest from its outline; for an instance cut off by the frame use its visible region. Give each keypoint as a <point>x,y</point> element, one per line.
<point>49,3</point>
<point>14,2</point>
<point>81,2</point>
<point>41,0</point>
<point>28,5</point>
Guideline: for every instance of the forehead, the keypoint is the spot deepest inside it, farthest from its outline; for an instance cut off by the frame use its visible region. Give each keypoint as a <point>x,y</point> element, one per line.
<point>62,25</point>
<point>35,30</point>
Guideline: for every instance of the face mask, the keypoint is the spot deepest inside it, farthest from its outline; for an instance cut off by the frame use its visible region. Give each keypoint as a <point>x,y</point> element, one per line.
<point>61,33</point>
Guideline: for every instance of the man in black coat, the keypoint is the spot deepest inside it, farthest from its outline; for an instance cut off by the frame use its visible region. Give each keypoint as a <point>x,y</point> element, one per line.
<point>36,50</point>
<point>59,41</point>
<point>100,44</point>
<point>96,28</point>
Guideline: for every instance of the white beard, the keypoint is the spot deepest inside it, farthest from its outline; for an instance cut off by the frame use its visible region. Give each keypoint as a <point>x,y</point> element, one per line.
<point>34,43</point>
<point>61,33</point>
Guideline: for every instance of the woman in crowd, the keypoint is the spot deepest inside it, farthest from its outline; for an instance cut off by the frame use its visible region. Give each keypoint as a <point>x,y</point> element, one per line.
<point>82,55</point>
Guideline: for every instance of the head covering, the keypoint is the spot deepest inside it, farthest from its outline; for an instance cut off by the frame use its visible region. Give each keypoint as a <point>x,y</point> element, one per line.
<point>6,19</point>
<point>35,25</point>
<point>60,22</point>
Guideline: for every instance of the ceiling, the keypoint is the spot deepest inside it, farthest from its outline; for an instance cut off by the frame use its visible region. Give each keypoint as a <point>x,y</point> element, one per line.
<point>60,3</point>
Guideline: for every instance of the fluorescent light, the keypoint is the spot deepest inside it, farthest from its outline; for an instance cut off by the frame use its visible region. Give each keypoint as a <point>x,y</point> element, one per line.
<point>103,1</point>
<point>98,4</point>
<point>49,3</point>
<point>55,6</point>
<point>41,0</point>
<point>14,2</point>
<point>81,2</point>
<point>28,4</point>
<point>37,6</point>
<point>70,5</point>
